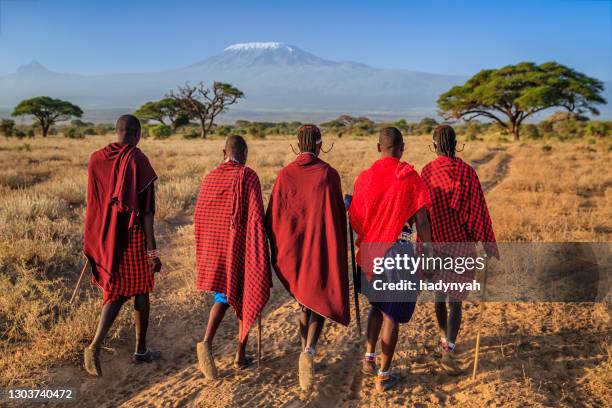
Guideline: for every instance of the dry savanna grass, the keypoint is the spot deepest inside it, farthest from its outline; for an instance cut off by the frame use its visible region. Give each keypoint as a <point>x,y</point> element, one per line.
<point>536,192</point>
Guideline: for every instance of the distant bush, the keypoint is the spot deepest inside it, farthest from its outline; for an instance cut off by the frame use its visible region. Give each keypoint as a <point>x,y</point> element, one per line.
<point>530,131</point>
<point>74,133</point>
<point>7,127</point>
<point>160,131</point>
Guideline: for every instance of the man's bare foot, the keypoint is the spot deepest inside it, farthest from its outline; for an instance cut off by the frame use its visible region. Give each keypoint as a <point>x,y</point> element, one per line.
<point>206,362</point>
<point>91,359</point>
<point>306,371</point>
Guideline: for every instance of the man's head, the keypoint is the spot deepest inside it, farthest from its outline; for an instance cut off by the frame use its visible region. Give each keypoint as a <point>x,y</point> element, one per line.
<point>309,139</point>
<point>445,140</point>
<point>391,142</point>
<point>128,129</point>
<point>236,149</point>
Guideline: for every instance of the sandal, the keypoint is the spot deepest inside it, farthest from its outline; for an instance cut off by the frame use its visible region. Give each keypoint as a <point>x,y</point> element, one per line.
<point>206,361</point>
<point>148,356</point>
<point>306,370</point>
<point>368,367</point>
<point>91,360</point>
<point>384,383</point>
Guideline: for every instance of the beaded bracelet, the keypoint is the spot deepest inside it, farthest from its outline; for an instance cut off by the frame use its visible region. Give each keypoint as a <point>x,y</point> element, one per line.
<point>153,254</point>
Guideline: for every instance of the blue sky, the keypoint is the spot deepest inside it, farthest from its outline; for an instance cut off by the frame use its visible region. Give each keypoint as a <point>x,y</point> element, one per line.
<point>452,37</point>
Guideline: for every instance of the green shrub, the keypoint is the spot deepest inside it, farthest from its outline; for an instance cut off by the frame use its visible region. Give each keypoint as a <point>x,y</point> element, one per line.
<point>74,133</point>
<point>160,131</point>
<point>7,127</point>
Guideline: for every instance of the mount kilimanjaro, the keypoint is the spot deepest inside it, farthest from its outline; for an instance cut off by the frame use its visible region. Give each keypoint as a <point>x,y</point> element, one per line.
<point>280,82</point>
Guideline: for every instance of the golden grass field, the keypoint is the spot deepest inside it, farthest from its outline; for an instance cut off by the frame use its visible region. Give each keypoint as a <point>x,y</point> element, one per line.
<point>536,354</point>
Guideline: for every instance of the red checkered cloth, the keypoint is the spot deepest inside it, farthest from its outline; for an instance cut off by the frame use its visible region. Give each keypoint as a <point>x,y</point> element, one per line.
<point>458,214</point>
<point>134,275</point>
<point>119,191</point>
<point>231,245</point>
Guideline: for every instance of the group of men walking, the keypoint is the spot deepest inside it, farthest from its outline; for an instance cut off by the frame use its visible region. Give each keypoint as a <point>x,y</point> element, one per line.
<point>302,236</point>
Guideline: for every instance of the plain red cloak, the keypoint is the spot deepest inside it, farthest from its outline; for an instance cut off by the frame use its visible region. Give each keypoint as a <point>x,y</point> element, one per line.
<point>117,174</point>
<point>385,197</point>
<point>231,244</point>
<point>306,223</point>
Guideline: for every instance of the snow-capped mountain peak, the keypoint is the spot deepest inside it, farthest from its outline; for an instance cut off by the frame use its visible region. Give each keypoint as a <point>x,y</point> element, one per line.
<point>270,45</point>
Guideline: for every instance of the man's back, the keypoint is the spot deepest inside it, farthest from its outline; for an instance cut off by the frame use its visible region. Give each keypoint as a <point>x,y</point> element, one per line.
<point>385,196</point>
<point>220,212</point>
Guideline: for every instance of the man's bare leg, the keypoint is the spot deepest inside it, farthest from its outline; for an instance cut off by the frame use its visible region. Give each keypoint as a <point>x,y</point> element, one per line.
<point>241,352</point>
<point>107,318</point>
<point>454,320</point>
<point>217,312</point>
<point>206,361</point>
<point>375,321</point>
<point>141,320</point>
<point>304,320</point>
<point>315,327</point>
<point>441,314</point>
<point>388,341</point>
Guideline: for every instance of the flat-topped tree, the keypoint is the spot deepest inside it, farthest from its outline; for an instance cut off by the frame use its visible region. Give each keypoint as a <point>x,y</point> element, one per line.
<point>47,111</point>
<point>205,104</point>
<point>511,94</point>
<point>162,110</point>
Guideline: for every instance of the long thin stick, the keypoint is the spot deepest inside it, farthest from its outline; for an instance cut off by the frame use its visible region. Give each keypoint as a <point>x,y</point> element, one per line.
<point>480,317</point>
<point>355,279</point>
<point>259,341</point>
<point>78,284</point>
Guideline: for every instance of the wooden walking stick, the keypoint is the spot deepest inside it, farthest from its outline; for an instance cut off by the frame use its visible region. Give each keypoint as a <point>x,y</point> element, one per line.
<point>480,316</point>
<point>356,280</point>
<point>259,340</point>
<point>78,284</point>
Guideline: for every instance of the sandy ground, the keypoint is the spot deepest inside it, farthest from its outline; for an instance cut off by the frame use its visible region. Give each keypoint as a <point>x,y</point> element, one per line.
<point>531,353</point>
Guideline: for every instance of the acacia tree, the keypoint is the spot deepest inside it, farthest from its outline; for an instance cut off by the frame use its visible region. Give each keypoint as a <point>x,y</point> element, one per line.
<point>47,111</point>
<point>511,94</point>
<point>205,104</point>
<point>162,110</point>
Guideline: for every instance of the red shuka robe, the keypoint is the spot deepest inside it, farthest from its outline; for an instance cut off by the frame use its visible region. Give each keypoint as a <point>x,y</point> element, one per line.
<point>306,222</point>
<point>120,183</point>
<point>231,244</point>
<point>385,197</point>
<point>458,212</point>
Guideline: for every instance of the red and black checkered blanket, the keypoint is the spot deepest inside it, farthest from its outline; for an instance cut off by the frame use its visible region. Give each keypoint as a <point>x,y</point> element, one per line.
<point>119,175</point>
<point>231,245</point>
<point>458,211</point>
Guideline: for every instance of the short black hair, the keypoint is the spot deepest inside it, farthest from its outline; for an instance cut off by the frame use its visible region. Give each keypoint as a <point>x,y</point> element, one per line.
<point>390,138</point>
<point>127,126</point>
<point>235,145</point>
<point>445,139</point>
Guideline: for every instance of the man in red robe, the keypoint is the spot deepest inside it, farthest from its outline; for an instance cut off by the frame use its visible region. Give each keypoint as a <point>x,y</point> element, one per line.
<point>387,198</point>
<point>231,249</point>
<point>306,223</point>
<point>119,239</point>
<point>459,218</point>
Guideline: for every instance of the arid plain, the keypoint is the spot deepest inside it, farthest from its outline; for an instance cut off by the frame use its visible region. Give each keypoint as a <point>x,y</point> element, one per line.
<point>533,354</point>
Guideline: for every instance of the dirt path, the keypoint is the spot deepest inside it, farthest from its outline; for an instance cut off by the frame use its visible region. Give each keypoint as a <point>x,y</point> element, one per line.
<point>530,355</point>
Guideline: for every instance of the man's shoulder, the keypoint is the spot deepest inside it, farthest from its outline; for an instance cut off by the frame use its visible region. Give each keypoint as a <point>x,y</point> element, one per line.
<point>250,175</point>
